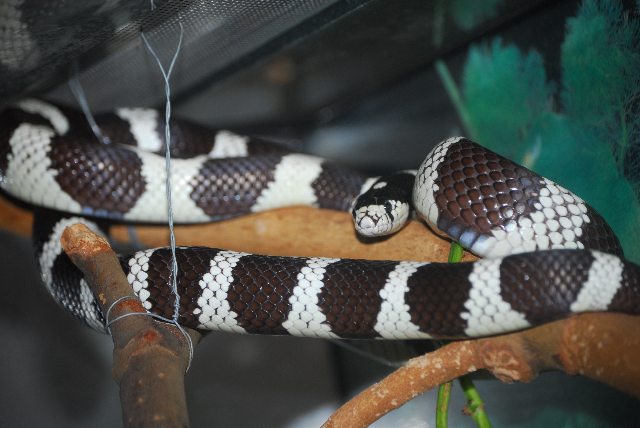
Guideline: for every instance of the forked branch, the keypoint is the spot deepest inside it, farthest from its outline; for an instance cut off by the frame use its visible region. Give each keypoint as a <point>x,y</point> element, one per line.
<point>601,346</point>
<point>150,358</point>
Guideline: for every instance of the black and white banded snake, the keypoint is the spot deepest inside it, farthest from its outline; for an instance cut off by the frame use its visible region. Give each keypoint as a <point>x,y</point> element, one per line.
<point>548,254</point>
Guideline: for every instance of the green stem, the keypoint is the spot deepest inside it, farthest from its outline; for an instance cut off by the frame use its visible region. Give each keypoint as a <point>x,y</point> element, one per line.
<point>456,98</point>
<point>442,409</point>
<point>475,405</point>
<point>444,391</point>
<point>455,253</point>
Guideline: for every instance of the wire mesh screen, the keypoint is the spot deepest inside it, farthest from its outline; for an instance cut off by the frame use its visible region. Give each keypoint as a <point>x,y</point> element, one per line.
<point>38,38</point>
<point>43,43</point>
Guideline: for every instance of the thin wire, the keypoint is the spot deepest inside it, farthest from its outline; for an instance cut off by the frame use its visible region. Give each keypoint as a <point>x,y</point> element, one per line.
<point>365,354</point>
<point>113,305</point>
<point>129,314</point>
<point>146,314</point>
<point>109,323</point>
<point>167,132</point>
<point>78,93</point>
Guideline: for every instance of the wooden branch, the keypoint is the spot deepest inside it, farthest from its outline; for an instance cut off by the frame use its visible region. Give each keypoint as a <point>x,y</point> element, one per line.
<point>293,231</point>
<point>150,358</point>
<point>15,216</point>
<point>601,346</point>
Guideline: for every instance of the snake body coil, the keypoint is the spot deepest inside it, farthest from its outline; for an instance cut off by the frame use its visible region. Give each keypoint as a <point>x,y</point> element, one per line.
<point>551,255</point>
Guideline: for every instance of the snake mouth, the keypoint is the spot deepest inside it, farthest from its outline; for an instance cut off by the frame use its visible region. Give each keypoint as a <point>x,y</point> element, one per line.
<point>372,227</point>
<point>374,221</point>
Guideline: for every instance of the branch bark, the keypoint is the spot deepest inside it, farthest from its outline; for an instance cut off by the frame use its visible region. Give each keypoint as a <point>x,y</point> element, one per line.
<point>293,231</point>
<point>150,358</point>
<point>601,346</point>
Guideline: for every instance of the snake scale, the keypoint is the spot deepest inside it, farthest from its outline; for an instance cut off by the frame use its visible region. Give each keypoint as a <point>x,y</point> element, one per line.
<point>548,254</point>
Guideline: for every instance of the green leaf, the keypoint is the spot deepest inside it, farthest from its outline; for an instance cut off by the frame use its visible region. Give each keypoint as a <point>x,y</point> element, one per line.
<point>589,170</point>
<point>504,93</point>
<point>595,139</point>
<point>601,75</point>
<point>601,90</point>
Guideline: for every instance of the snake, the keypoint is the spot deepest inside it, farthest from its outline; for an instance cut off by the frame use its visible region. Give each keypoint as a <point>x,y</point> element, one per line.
<point>546,254</point>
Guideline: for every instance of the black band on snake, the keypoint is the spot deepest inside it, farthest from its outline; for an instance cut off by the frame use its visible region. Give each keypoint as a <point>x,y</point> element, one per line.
<point>549,255</point>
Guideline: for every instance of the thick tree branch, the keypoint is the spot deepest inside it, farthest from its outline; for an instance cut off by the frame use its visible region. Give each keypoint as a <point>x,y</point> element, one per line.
<point>150,358</point>
<point>600,346</point>
<point>294,231</point>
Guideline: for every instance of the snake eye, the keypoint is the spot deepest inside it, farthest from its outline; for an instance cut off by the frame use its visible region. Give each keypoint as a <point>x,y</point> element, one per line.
<point>388,207</point>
